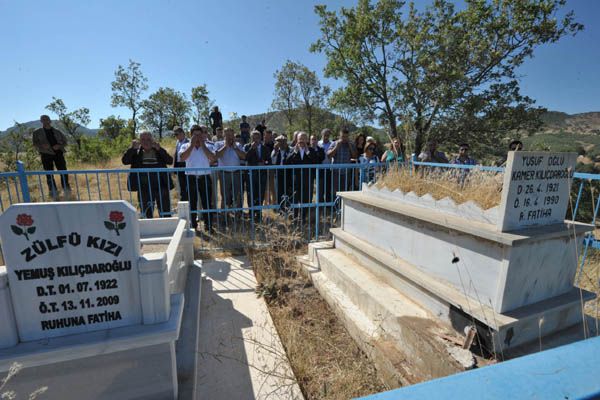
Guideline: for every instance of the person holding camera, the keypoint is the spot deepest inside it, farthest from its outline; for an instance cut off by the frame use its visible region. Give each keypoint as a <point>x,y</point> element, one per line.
<point>152,187</point>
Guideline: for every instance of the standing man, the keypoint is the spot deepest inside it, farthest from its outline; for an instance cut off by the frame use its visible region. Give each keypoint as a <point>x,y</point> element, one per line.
<point>325,174</point>
<point>432,155</point>
<point>152,187</point>
<point>342,151</point>
<point>230,154</point>
<point>262,127</point>
<point>245,130</point>
<point>198,155</point>
<point>218,135</point>
<point>50,143</point>
<point>283,177</point>
<point>216,119</point>
<point>463,156</point>
<point>318,157</point>
<point>178,163</point>
<point>257,154</point>
<point>301,155</point>
<point>269,143</point>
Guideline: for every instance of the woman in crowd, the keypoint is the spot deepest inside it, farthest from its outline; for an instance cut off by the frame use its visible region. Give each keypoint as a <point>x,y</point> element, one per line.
<point>360,142</point>
<point>369,157</point>
<point>394,153</point>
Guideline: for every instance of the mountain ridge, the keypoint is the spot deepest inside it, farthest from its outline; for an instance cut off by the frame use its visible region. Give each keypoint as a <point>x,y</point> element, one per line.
<point>585,123</point>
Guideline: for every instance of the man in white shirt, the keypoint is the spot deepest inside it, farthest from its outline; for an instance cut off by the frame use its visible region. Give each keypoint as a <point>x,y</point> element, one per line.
<point>198,156</point>
<point>230,154</point>
<point>325,175</point>
<point>181,140</point>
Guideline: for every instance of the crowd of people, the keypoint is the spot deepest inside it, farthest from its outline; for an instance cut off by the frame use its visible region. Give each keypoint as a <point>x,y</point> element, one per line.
<point>232,185</point>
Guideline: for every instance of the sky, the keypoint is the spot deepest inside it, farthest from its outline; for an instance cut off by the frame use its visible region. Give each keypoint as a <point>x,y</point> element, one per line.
<point>71,48</point>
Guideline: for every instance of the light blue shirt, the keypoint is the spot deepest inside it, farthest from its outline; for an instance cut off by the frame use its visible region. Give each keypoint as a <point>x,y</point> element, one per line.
<point>229,157</point>
<point>325,147</point>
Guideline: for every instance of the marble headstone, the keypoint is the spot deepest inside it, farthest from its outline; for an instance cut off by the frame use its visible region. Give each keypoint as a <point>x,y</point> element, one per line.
<point>536,189</point>
<point>72,267</point>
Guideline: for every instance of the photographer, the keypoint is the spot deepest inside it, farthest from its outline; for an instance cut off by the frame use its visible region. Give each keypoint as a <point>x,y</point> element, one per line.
<point>152,187</point>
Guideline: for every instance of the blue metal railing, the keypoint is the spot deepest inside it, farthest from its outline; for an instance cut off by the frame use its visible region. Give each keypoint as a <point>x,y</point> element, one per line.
<point>567,372</point>
<point>307,193</point>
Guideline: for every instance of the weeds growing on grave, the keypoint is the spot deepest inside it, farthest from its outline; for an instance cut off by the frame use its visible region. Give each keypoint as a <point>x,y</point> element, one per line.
<point>326,361</point>
<point>9,394</point>
<point>482,187</point>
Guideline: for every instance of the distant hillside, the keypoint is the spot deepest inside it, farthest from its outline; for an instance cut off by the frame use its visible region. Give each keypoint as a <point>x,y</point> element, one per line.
<point>56,124</point>
<point>277,121</point>
<point>580,124</point>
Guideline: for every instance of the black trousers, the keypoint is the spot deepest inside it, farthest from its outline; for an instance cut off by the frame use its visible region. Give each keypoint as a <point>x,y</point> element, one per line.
<point>258,189</point>
<point>151,193</point>
<point>181,178</point>
<point>326,188</point>
<point>200,188</point>
<point>283,186</point>
<point>302,192</point>
<point>49,161</point>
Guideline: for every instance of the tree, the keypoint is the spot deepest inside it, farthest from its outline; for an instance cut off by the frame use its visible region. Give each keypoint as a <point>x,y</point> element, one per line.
<point>432,68</point>
<point>298,89</point>
<point>164,109</point>
<point>312,95</point>
<point>71,121</point>
<point>111,127</point>
<point>202,104</point>
<point>286,91</point>
<point>127,89</point>
<point>16,145</point>
<point>155,114</point>
<point>178,109</point>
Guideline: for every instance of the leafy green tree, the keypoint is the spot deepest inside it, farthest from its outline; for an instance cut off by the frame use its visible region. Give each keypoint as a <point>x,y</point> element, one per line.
<point>299,90</point>
<point>127,89</point>
<point>111,127</point>
<point>286,91</point>
<point>155,114</point>
<point>439,68</point>
<point>179,109</point>
<point>202,105</point>
<point>164,109</point>
<point>16,145</point>
<point>72,121</point>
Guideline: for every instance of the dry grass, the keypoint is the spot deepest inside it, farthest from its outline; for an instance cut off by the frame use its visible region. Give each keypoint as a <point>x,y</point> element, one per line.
<point>325,359</point>
<point>589,279</point>
<point>459,185</point>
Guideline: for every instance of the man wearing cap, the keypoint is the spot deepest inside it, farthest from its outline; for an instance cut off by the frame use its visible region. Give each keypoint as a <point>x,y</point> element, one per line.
<point>178,163</point>
<point>50,143</point>
<point>198,155</point>
<point>283,177</point>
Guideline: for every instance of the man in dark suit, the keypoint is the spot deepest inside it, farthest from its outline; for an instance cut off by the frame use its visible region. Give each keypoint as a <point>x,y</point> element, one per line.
<point>152,187</point>
<point>181,140</point>
<point>283,177</point>
<point>257,154</point>
<point>302,155</point>
<point>318,157</point>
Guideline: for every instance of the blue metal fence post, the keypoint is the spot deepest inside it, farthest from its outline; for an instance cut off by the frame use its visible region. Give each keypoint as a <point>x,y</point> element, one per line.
<point>23,182</point>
